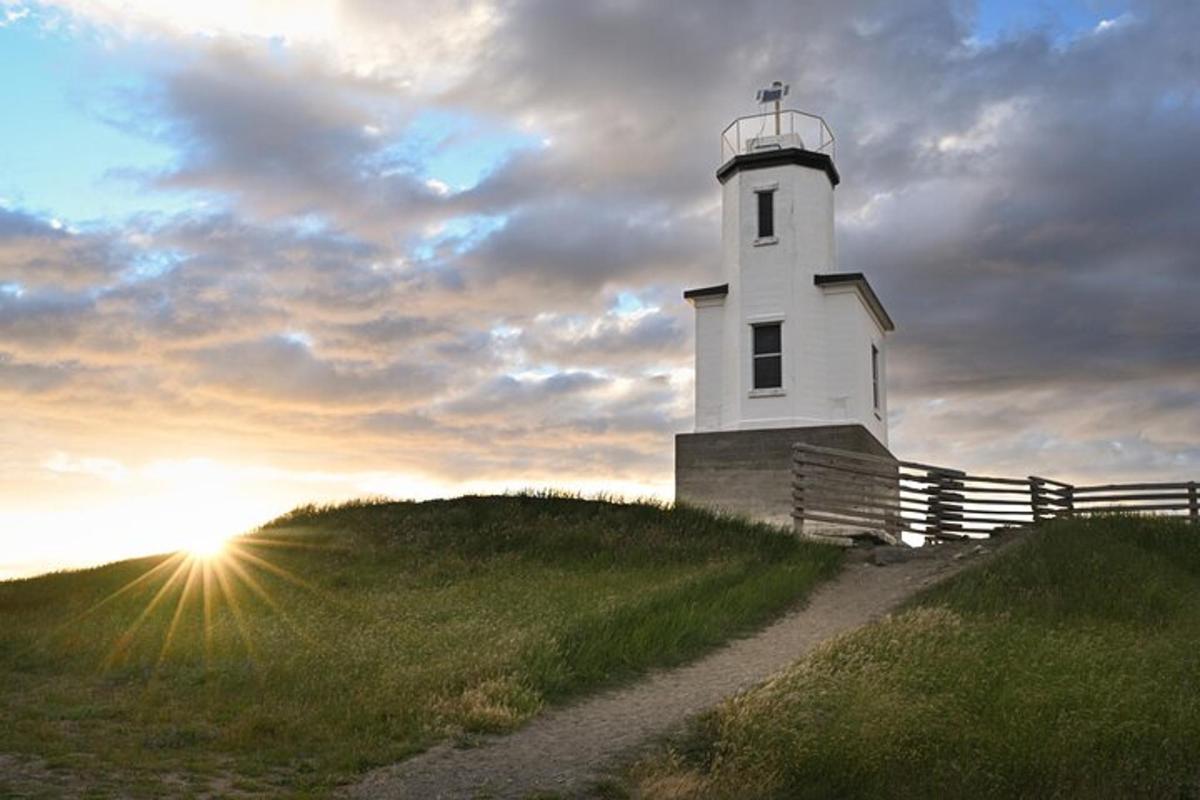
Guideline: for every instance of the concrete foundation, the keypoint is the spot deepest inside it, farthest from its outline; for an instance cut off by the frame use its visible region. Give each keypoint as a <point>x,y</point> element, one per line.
<point>750,472</point>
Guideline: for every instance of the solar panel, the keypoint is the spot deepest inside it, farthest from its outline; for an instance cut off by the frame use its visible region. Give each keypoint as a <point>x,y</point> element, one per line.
<point>777,91</point>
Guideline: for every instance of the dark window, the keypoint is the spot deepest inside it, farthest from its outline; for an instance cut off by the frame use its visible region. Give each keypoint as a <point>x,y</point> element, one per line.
<point>766,214</point>
<point>768,356</point>
<point>875,374</point>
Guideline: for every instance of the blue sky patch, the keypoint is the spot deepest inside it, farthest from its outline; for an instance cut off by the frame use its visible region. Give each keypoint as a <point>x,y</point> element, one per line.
<point>1063,19</point>
<point>60,153</point>
<point>457,149</point>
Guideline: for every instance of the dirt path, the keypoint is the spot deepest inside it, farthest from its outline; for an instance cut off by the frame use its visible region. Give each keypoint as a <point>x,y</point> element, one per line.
<point>565,750</point>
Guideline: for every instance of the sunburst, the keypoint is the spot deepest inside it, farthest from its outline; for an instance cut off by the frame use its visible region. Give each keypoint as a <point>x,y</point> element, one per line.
<point>210,577</point>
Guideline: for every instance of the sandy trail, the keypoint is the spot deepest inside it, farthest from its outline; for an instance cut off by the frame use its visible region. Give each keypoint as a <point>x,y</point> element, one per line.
<point>565,750</point>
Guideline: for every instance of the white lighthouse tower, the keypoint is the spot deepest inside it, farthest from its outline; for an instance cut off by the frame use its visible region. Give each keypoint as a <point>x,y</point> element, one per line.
<point>788,348</point>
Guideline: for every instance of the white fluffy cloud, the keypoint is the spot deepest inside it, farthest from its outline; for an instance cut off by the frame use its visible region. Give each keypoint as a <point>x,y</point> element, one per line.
<point>405,42</point>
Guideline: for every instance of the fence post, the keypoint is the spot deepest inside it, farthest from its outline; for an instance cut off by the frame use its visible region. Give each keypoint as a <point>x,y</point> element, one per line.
<point>1069,501</point>
<point>797,491</point>
<point>1193,506</point>
<point>894,526</point>
<point>933,506</point>
<point>945,513</point>
<point>1035,499</point>
<point>951,488</point>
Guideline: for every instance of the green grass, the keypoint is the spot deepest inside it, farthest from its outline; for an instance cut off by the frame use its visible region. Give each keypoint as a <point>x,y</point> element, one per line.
<point>338,639</point>
<point>1069,667</point>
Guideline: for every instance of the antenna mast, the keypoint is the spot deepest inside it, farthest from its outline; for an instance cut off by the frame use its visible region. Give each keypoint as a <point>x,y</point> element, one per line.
<point>777,91</point>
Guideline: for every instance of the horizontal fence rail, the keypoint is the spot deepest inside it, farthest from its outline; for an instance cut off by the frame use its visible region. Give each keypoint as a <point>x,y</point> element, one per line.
<point>846,493</point>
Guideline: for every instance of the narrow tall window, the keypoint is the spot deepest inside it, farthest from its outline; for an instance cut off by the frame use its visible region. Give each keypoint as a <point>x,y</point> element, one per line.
<point>768,356</point>
<point>766,214</point>
<point>875,375</point>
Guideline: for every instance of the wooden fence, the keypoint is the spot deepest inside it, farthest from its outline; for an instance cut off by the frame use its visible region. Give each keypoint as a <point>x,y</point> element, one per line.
<point>844,493</point>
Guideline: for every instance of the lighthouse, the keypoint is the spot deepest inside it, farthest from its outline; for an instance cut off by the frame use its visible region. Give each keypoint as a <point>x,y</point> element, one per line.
<point>788,348</point>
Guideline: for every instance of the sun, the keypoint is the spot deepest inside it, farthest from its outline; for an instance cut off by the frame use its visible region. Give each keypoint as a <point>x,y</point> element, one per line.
<point>206,547</point>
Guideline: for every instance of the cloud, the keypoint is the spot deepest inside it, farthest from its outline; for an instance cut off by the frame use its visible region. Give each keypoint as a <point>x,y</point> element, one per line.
<point>628,339</point>
<point>1026,209</point>
<point>403,41</point>
<point>23,378</point>
<point>36,252</point>
<point>285,372</point>
<point>287,139</point>
<point>590,243</point>
<point>104,468</point>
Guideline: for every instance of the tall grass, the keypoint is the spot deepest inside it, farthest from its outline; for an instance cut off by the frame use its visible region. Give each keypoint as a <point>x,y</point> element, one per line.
<point>1067,668</point>
<point>361,633</point>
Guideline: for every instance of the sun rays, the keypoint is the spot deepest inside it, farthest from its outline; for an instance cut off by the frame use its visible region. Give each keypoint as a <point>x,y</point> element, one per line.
<point>175,606</point>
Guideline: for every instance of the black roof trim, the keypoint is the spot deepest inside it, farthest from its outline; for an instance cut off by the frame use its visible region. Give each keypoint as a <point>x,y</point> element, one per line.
<point>858,280</point>
<point>778,158</point>
<point>707,291</point>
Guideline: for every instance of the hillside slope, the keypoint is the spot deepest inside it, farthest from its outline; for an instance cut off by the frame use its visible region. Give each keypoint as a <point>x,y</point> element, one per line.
<point>1067,667</point>
<point>337,639</point>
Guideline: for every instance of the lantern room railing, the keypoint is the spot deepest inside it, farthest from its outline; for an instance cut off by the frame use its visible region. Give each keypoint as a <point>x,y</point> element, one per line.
<point>773,130</point>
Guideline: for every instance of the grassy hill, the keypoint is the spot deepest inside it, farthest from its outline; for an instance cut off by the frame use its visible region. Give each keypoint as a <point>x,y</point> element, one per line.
<point>337,639</point>
<point>1069,667</point>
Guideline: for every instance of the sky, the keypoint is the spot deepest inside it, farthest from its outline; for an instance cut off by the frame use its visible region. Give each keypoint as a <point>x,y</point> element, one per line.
<point>255,254</point>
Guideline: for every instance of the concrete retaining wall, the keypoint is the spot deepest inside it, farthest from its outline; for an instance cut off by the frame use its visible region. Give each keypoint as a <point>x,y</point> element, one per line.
<point>750,472</point>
